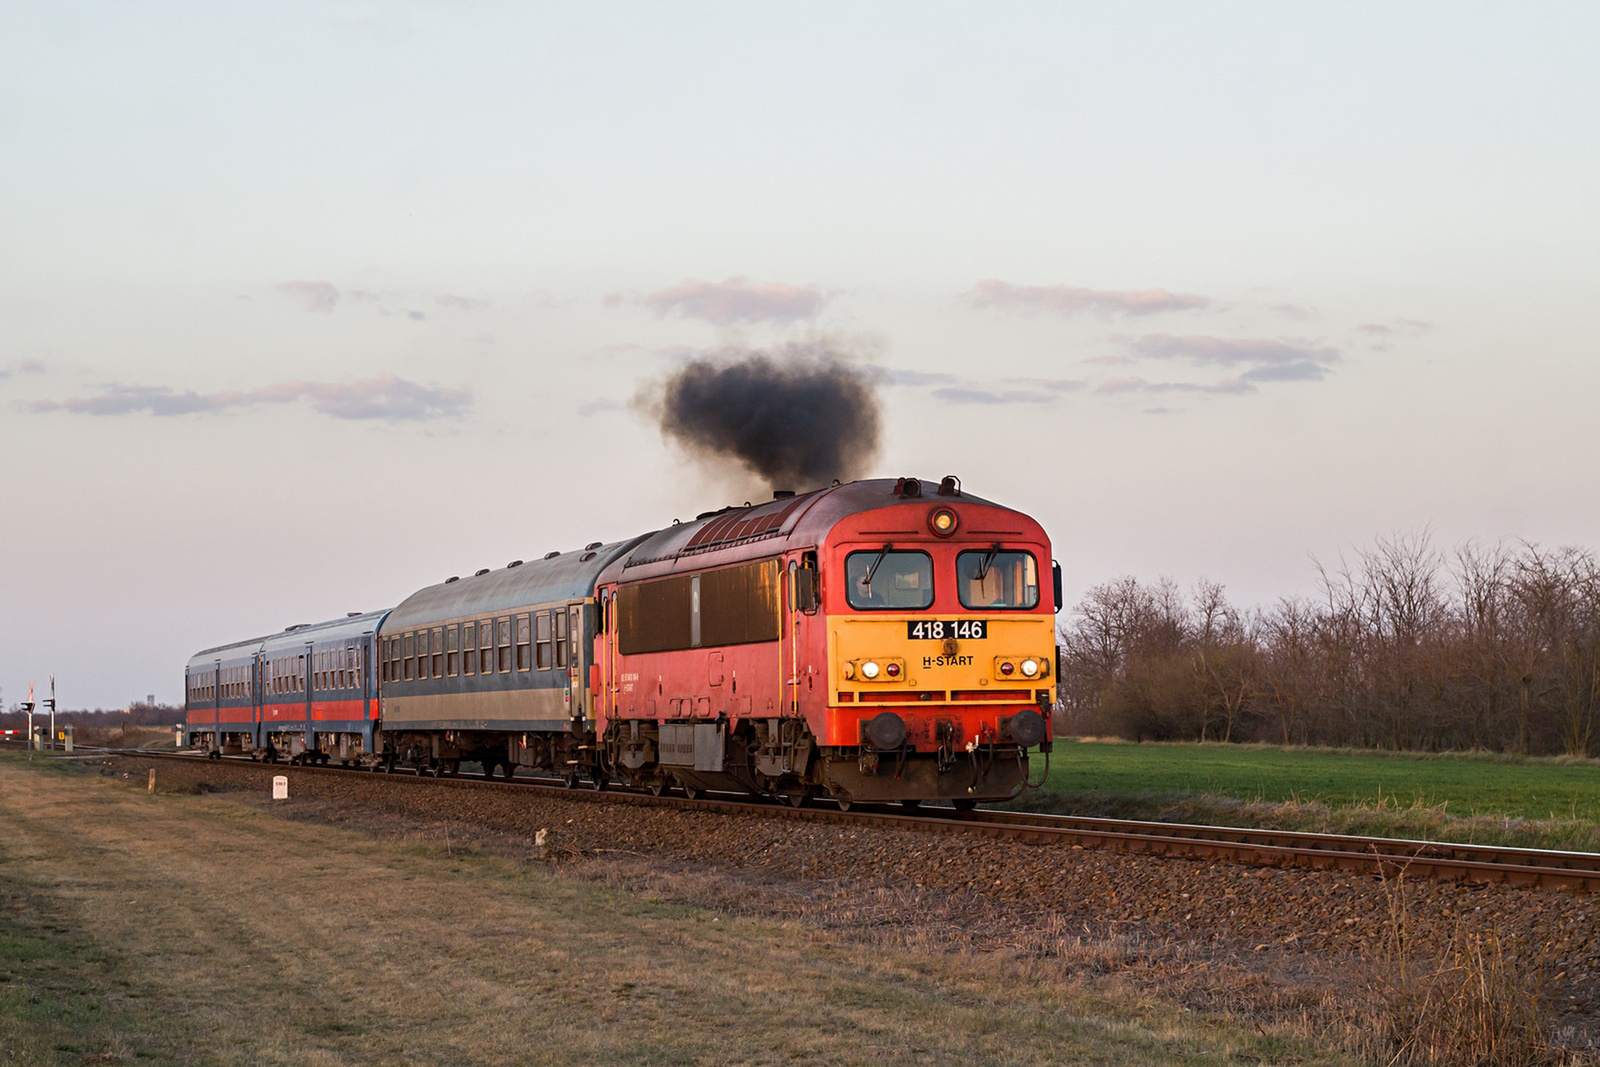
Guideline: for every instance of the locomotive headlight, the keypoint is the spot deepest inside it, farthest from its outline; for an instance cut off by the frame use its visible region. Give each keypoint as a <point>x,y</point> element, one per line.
<point>869,670</point>
<point>1030,668</point>
<point>849,670</point>
<point>943,522</point>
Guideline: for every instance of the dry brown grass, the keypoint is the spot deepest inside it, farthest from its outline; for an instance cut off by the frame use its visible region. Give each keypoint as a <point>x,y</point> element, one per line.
<point>1478,1000</point>
<point>203,928</point>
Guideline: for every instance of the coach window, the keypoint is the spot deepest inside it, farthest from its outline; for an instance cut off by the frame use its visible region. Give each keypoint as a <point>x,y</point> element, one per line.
<point>541,641</point>
<point>469,647</point>
<point>409,651</point>
<point>561,639</point>
<point>886,580</point>
<point>503,629</point>
<point>993,580</point>
<point>300,674</point>
<point>524,653</point>
<point>422,653</point>
<point>438,653</point>
<point>396,651</point>
<point>486,647</point>
<point>383,660</point>
<point>452,650</point>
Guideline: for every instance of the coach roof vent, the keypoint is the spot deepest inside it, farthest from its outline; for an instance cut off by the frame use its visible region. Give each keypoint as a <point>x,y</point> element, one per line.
<point>480,573</point>
<point>452,578</point>
<point>296,626</point>
<point>592,545</point>
<point>514,563</point>
<point>551,555</point>
<point>353,614</point>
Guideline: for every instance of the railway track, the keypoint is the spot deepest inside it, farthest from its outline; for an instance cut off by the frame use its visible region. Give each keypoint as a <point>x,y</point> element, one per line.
<point>1540,868</point>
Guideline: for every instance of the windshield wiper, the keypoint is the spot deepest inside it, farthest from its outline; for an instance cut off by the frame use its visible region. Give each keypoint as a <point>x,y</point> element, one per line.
<point>988,561</point>
<point>874,568</point>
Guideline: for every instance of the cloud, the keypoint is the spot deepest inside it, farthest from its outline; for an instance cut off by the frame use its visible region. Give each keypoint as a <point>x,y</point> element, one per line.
<point>913,378</point>
<point>460,303</point>
<point>26,366</point>
<point>735,300</point>
<point>599,407</point>
<point>1067,300</point>
<point>1230,386</point>
<point>1266,360</point>
<point>1294,311</point>
<point>966,395</point>
<point>1382,336</point>
<point>318,296</point>
<point>384,397</point>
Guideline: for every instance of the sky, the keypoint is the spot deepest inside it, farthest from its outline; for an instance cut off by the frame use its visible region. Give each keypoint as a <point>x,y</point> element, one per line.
<point>306,306</point>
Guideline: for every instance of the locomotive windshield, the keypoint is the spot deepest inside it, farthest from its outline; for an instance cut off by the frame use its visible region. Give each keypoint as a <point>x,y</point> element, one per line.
<point>993,579</point>
<point>886,580</point>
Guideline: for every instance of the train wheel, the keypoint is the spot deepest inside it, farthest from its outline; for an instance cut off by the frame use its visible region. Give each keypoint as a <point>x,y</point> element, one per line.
<point>656,786</point>
<point>488,769</point>
<point>692,793</point>
<point>796,797</point>
<point>597,781</point>
<point>844,801</point>
<point>388,765</point>
<point>508,771</point>
<point>570,780</point>
<point>911,805</point>
<point>964,805</point>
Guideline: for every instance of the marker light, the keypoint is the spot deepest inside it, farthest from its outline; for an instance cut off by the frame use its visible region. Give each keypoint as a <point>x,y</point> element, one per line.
<point>1030,667</point>
<point>1007,669</point>
<point>849,670</point>
<point>869,670</point>
<point>943,522</point>
<point>892,670</point>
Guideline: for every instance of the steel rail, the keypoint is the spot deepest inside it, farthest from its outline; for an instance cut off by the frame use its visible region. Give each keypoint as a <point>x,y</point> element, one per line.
<point>1444,860</point>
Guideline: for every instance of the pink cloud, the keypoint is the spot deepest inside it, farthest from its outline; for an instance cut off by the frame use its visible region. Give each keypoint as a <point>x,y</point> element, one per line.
<point>384,397</point>
<point>318,296</point>
<point>734,300</point>
<point>1068,300</point>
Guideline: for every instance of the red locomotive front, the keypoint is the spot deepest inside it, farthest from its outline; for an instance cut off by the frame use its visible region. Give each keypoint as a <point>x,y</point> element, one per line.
<point>876,641</point>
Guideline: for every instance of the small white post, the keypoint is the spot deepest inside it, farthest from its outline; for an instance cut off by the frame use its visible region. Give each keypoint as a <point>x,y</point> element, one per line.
<point>280,787</point>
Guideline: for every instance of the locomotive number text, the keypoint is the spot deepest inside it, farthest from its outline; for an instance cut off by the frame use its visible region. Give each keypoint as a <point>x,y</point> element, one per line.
<point>944,629</point>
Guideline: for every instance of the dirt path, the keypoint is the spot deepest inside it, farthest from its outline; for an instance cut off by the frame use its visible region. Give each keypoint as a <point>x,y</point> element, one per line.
<point>204,929</point>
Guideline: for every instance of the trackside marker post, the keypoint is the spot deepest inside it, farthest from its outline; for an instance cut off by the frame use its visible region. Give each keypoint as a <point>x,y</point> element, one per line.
<point>280,787</point>
<point>152,789</point>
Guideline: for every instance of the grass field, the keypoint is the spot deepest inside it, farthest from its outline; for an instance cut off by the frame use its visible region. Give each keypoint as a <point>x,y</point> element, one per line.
<point>193,928</point>
<point>1470,797</point>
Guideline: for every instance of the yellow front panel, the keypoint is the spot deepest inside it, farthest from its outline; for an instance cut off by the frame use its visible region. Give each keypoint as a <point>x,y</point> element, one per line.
<point>940,666</point>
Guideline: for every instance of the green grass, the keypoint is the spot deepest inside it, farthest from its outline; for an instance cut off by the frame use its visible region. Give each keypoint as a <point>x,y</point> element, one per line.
<point>1552,803</point>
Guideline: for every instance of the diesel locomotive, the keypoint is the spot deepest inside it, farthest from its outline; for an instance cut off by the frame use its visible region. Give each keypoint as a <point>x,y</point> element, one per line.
<point>880,640</point>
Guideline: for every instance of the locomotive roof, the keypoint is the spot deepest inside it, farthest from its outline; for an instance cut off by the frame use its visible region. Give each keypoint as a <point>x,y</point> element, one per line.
<point>569,576</point>
<point>767,528</point>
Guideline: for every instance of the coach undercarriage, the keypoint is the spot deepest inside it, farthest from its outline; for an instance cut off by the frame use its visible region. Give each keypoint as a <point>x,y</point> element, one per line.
<point>777,758</point>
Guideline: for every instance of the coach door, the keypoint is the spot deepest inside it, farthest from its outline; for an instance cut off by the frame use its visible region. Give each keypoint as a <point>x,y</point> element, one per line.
<point>578,699</point>
<point>308,674</point>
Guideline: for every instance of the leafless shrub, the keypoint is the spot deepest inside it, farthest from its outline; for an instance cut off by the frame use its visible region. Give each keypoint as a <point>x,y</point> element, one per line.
<point>1492,648</point>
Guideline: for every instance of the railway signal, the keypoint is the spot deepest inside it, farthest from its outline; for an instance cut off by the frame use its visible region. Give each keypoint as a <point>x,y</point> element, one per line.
<point>27,707</point>
<point>52,703</point>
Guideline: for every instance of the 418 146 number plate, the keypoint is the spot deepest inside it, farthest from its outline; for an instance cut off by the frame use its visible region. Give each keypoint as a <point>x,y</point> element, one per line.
<point>948,629</point>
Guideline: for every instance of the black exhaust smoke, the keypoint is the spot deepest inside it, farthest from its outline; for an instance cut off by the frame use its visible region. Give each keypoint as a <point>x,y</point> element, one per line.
<point>795,419</point>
